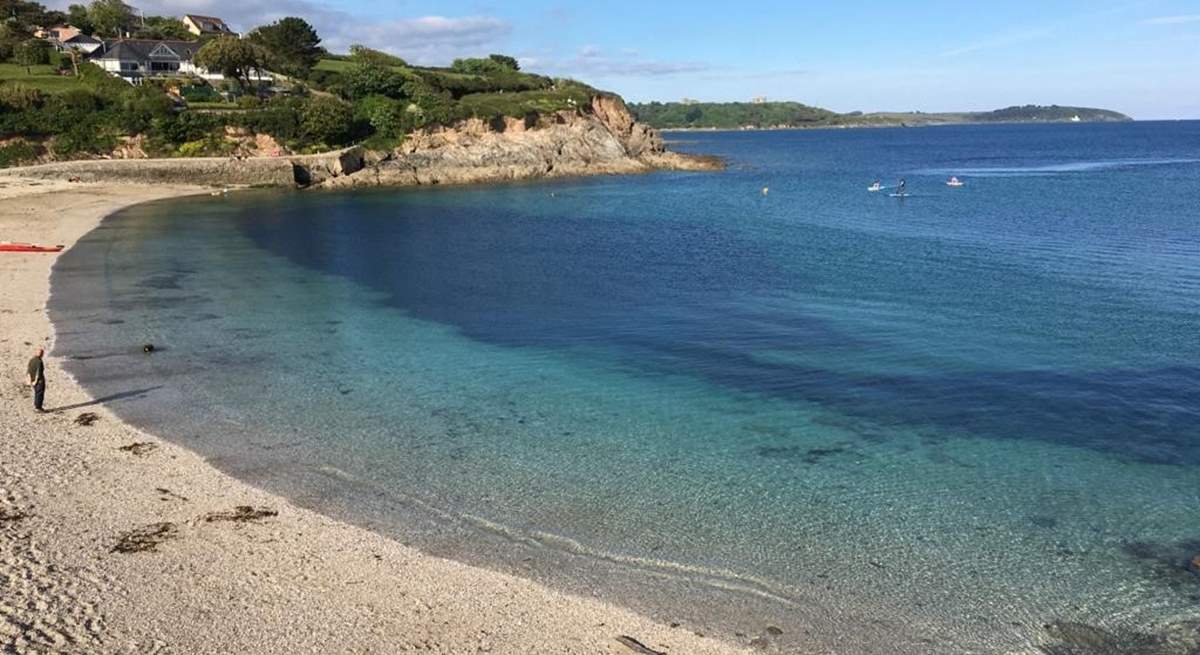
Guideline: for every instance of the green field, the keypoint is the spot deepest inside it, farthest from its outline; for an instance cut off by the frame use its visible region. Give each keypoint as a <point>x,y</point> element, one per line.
<point>43,78</point>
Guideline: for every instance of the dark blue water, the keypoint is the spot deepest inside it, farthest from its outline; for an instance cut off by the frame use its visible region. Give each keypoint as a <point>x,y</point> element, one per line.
<point>971,411</point>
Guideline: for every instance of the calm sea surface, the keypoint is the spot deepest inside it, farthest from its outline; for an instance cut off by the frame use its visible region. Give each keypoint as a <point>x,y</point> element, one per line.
<point>924,425</point>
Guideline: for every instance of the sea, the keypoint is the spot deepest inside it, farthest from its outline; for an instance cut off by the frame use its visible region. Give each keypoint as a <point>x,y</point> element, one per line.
<point>761,403</point>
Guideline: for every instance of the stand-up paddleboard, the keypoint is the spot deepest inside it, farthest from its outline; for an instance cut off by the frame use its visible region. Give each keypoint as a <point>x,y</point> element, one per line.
<point>6,246</point>
<point>899,195</point>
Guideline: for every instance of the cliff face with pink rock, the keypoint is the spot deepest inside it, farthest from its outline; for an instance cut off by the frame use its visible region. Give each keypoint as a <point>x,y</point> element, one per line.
<point>603,139</point>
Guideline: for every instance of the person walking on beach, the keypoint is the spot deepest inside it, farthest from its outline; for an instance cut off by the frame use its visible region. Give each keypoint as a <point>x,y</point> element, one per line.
<point>37,378</point>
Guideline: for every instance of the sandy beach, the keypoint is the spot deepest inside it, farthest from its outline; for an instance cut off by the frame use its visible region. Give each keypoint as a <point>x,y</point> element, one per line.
<point>113,541</point>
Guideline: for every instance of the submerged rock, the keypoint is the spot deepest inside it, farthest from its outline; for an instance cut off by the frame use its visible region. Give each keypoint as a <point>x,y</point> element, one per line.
<point>1071,638</point>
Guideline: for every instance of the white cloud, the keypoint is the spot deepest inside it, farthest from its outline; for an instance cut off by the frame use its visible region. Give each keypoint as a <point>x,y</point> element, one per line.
<point>1000,41</point>
<point>1172,20</point>
<point>424,40</point>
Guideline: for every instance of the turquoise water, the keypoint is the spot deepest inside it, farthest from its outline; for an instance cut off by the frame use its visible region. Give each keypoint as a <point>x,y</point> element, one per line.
<point>934,424</point>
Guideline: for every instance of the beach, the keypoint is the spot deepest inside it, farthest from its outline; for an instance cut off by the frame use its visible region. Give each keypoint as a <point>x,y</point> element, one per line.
<point>114,541</point>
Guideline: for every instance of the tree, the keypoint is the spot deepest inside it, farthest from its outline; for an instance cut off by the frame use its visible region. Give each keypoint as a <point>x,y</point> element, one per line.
<point>10,37</point>
<point>78,16</point>
<point>34,52</point>
<point>163,27</point>
<point>233,57</point>
<point>506,62</point>
<point>473,66</point>
<point>27,14</point>
<point>110,17</point>
<point>293,42</point>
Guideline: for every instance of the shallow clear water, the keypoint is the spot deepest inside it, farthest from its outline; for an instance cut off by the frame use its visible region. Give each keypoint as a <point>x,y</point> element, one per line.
<point>923,425</point>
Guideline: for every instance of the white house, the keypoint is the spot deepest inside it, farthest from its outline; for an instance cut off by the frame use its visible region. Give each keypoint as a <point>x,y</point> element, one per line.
<point>206,25</point>
<point>135,59</point>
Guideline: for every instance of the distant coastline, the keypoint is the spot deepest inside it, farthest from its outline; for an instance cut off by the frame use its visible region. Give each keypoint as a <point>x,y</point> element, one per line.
<point>676,116</point>
<point>877,126</point>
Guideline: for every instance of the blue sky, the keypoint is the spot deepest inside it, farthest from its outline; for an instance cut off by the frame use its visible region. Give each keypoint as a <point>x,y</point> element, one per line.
<point>1139,57</point>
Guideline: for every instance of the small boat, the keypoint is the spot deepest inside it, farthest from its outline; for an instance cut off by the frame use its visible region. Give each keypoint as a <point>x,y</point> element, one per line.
<point>954,181</point>
<point>875,187</point>
<point>6,246</point>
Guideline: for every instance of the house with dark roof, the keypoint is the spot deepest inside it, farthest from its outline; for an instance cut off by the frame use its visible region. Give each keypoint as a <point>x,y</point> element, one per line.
<point>133,60</point>
<point>136,59</point>
<point>81,42</point>
<point>206,25</point>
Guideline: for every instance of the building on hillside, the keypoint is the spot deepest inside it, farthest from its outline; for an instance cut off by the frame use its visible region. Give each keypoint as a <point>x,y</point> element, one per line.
<point>133,60</point>
<point>758,100</point>
<point>68,37</point>
<point>57,33</point>
<point>81,42</point>
<point>206,26</point>
<point>136,59</point>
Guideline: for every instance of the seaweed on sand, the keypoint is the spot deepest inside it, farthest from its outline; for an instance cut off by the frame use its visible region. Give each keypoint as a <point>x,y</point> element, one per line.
<point>146,538</point>
<point>241,514</point>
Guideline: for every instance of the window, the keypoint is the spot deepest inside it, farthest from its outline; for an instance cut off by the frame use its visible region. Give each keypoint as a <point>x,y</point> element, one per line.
<point>131,66</point>
<point>164,66</point>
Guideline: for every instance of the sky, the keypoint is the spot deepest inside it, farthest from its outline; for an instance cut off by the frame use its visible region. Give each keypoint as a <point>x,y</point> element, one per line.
<point>1138,57</point>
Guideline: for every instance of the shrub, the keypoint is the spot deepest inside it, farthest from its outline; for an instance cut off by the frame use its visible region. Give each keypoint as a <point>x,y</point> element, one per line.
<point>364,55</point>
<point>142,107</point>
<point>366,79</point>
<point>506,62</point>
<point>18,97</point>
<point>327,121</point>
<point>387,117</point>
<point>84,137</point>
<point>188,126</point>
<point>17,153</point>
<point>428,104</point>
<point>200,93</point>
<point>473,66</point>
<point>279,118</point>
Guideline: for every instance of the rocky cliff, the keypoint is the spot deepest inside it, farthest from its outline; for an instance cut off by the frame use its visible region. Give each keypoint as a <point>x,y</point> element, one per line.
<point>601,139</point>
<point>597,140</point>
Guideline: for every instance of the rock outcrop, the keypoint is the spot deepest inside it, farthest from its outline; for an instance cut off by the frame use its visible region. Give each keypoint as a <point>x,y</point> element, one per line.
<point>602,139</point>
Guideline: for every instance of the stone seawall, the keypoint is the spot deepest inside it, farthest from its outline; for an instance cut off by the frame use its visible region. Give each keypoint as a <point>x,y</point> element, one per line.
<point>294,171</point>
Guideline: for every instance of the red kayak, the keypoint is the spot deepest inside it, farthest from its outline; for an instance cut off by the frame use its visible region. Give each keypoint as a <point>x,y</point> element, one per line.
<point>5,246</point>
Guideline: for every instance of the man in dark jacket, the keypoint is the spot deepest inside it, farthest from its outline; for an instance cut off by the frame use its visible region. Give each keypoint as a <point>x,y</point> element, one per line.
<point>37,378</point>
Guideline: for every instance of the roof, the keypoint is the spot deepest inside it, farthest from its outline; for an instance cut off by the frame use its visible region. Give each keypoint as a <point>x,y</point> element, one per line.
<point>83,38</point>
<point>147,49</point>
<point>208,23</point>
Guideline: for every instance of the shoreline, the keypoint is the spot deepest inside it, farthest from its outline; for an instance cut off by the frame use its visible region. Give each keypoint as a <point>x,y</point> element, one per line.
<point>876,126</point>
<point>208,575</point>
